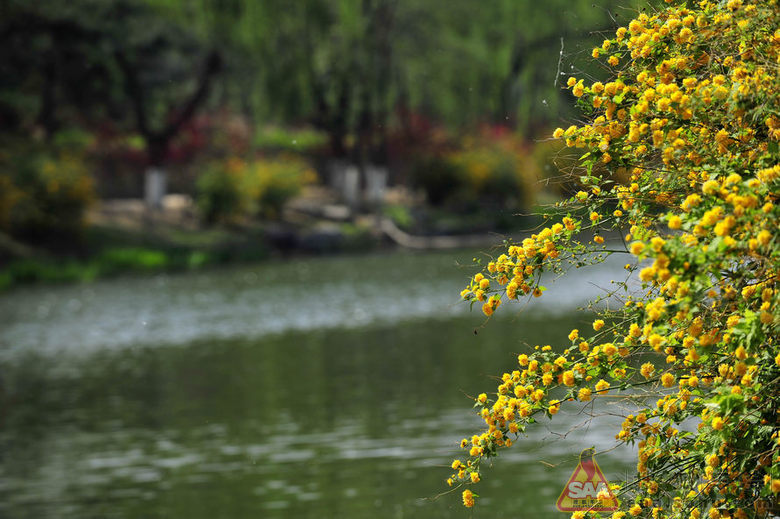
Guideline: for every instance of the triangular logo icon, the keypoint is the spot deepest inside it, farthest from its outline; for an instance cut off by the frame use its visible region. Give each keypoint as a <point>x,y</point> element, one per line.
<point>582,490</point>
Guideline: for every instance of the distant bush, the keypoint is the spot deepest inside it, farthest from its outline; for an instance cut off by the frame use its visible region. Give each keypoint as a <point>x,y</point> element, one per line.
<point>399,214</point>
<point>481,172</point>
<point>43,193</point>
<point>236,190</point>
<point>220,194</point>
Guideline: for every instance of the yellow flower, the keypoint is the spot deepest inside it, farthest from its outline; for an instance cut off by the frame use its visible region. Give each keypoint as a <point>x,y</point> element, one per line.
<point>555,406</point>
<point>602,386</point>
<point>482,398</point>
<point>584,394</point>
<point>647,370</point>
<point>468,498</point>
<point>637,247</point>
<point>598,324</point>
<point>667,379</point>
<point>558,133</point>
<point>647,273</point>
<point>655,341</point>
<point>717,423</point>
<point>474,477</point>
<point>675,222</point>
<point>634,330</point>
<point>710,187</point>
<point>775,486</point>
<point>568,378</point>
<point>635,510</point>
<point>456,464</point>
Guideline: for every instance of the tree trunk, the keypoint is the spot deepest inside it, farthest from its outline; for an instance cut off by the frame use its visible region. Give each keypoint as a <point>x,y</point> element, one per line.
<point>155,186</point>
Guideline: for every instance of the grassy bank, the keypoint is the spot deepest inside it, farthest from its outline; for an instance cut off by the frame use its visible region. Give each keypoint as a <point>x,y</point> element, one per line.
<point>104,252</point>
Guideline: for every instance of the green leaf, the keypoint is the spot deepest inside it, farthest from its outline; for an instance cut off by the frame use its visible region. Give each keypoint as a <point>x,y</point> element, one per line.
<point>730,402</point>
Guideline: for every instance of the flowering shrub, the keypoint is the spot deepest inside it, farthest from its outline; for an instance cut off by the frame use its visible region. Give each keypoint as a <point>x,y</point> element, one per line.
<point>482,170</point>
<point>235,189</point>
<point>692,119</point>
<point>44,193</point>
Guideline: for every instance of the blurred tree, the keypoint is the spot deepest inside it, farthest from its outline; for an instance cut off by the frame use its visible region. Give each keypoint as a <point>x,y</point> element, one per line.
<point>89,60</point>
<point>158,72</point>
<point>51,63</point>
<point>347,66</point>
<point>356,69</point>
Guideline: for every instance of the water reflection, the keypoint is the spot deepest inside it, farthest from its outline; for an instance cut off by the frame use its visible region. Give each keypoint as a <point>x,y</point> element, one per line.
<point>335,420</point>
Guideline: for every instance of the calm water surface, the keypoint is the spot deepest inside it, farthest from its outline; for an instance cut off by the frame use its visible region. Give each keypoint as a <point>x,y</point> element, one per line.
<point>328,387</point>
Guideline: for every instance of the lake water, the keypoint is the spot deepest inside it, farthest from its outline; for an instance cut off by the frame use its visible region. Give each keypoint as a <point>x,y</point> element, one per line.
<point>324,387</point>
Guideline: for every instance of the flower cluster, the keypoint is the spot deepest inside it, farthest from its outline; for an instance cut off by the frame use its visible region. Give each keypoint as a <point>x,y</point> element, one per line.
<point>518,272</point>
<point>681,157</point>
